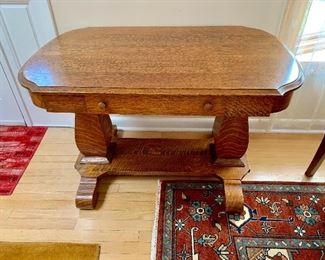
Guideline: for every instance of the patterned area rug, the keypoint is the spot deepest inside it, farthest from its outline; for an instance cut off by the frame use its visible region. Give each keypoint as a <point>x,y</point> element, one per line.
<point>280,221</point>
<point>17,147</point>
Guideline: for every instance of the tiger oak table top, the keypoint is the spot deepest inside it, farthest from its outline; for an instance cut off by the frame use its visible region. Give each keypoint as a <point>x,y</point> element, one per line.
<point>227,60</point>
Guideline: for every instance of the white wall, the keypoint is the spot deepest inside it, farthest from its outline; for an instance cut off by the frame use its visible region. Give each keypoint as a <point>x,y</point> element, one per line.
<point>306,112</point>
<point>263,14</point>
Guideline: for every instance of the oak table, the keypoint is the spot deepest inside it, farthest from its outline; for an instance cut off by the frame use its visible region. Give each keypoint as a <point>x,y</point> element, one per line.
<point>227,72</point>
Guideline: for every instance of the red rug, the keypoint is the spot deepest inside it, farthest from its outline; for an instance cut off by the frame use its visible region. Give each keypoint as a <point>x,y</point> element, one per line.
<point>281,221</point>
<point>17,147</point>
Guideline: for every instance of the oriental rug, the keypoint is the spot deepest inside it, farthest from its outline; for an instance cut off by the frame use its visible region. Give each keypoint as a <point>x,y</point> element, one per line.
<point>279,221</point>
<point>17,147</point>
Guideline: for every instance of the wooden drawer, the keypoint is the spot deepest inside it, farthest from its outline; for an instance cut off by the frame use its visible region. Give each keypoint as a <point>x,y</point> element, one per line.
<point>178,105</point>
<point>153,105</point>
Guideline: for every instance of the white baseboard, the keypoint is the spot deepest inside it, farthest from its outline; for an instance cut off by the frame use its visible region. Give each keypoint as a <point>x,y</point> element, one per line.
<point>9,122</point>
<point>204,124</point>
<point>162,123</point>
<point>298,125</point>
<point>178,123</point>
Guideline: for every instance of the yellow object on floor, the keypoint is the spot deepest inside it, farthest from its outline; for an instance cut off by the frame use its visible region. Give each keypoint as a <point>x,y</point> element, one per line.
<point>48,251</point>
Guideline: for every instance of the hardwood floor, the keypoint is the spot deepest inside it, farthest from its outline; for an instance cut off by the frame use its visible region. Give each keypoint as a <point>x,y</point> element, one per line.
<point>42,206</point>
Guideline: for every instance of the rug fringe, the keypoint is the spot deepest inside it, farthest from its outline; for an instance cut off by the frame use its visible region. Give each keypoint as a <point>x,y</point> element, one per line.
<point>154,234</point>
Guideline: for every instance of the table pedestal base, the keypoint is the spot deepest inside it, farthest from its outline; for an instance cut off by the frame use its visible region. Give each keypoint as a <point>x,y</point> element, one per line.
<point>160,157</point>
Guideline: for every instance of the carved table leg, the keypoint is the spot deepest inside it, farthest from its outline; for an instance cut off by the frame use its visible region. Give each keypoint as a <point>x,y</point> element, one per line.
<point>232,176</point>
<point>230,145</point>
<point>234,195</point>
<point>93,134</point>
<point>87,194</point>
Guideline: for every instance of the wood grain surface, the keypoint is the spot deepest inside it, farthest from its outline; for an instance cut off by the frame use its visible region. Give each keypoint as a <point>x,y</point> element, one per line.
<point>200,105</point>
<point>87,195</point>
<point>162,157</point>
<point>163,60</point>
<point>136,156</point>
<point>230,139</point>
<point>205,71</point>
<point>93,134</point>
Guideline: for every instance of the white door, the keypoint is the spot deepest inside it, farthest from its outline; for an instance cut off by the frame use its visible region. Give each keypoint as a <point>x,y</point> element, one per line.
<point>24,28</point>
<point>9,110</point>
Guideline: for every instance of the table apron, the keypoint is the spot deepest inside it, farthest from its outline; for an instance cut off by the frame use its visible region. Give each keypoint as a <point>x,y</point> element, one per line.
<point>162,105</point>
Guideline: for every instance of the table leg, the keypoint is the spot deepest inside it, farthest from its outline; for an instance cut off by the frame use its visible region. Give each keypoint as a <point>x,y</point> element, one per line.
<point>232,176</point>
<point>87,194</point>
<point>230,145</point>
<point>93,134</point>
<point>319,157</point>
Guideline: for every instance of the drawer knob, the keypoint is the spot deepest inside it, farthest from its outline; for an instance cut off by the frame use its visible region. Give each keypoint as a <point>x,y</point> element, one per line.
<point>208,106</point>
<point>102,105</point>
